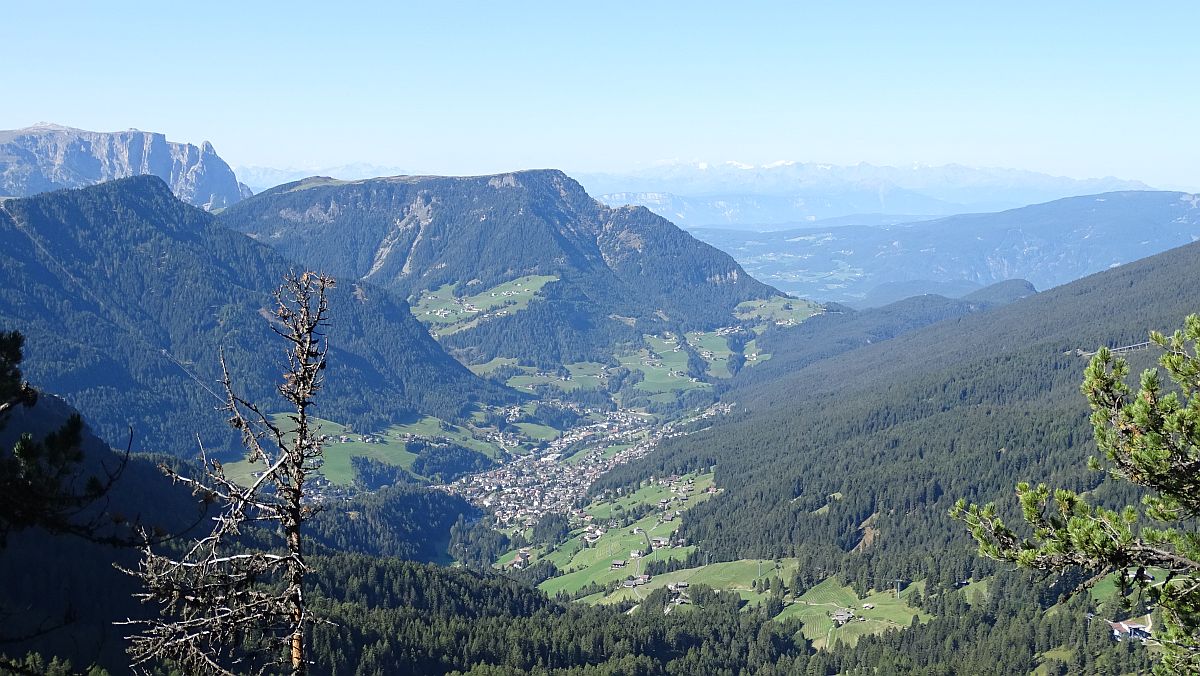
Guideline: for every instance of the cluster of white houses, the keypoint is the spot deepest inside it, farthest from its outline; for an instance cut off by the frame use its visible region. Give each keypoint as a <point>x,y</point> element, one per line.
<point>534,485</point>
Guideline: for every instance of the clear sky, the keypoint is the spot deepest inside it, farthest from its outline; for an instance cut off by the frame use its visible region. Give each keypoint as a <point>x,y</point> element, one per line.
<point>1075,88</point>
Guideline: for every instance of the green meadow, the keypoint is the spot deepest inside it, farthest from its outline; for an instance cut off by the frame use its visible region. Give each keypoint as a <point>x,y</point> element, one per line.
<point>449,313</point>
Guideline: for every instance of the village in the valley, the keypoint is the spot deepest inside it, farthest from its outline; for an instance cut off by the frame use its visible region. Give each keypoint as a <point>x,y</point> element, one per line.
<point>543,482</point>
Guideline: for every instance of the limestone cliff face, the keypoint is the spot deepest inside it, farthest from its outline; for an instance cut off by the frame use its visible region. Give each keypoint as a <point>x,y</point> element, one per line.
<point>50,157</point>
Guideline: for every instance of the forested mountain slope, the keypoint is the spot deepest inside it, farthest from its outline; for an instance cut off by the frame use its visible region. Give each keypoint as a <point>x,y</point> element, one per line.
<point>841,329</point>
<point>854,460</point>
<point>598,274</point>
<point>127,296</point>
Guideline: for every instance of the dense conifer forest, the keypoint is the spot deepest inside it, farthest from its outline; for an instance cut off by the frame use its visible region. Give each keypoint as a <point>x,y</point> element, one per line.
<point>127,296</point>
<point>855,460</point>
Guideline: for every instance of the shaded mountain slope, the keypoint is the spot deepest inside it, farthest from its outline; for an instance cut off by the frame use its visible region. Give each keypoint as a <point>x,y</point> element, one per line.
<point>126,296</point>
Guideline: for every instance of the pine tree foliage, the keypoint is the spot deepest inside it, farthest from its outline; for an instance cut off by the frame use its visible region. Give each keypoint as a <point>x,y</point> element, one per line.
<point>37,477</point>
<point>1150,439</point>
<point>227,607</point>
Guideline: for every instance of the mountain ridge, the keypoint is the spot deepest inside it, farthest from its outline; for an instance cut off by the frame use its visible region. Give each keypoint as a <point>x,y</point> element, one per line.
<point>1049,244</point>
<point>417,234</point>
<point>49,156</point>
<point>127,295</point>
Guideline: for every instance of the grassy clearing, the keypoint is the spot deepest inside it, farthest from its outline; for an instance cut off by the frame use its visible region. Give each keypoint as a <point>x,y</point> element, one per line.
<point>714,350</point>
<point>1107,586</point>
<point>664,366</point>
<point>436,429</point>
<point>584,375</point>
<point>1061,654</point>
<point>584,565</point>
<point>534,378</point>
<point>386,446</point>
<point>447,313</point>
<point>738,576</point>
<point>336,467</point>
<point>814,607</point>
<point>608,453</point>
<point>977,589</point>
<point>488,367</point>
<point>646,495</point>
<point>588,374</point>
<point>777,310</point>
<point>539,432</point>
<point>753,355</point>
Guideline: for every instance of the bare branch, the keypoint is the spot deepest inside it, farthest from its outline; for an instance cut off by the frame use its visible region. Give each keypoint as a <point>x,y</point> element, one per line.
<point>225,608</point>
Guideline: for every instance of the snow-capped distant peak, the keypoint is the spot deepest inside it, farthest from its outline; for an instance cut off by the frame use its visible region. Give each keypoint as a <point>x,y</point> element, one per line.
<point>738,165</point>
<point>780,163</point>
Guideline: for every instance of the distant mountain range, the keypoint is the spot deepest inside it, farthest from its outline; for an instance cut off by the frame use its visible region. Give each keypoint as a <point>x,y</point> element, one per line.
<point>126,296</point>
<point>792,192</point>
<point>587,275</point>
<point>50,157</point>
<point>1048,244</point>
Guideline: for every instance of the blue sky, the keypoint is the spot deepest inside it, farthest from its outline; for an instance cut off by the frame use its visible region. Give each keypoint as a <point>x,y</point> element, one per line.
<point>1080,89</point>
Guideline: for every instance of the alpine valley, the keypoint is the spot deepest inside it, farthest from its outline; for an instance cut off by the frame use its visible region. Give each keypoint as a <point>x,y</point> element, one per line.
<point>562,435</point>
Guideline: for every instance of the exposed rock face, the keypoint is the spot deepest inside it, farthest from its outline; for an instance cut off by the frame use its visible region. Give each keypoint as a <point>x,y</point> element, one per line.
<point>51,157</point>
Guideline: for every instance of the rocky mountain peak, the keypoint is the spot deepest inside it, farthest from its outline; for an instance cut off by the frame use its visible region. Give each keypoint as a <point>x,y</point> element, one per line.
<point>50,156</point>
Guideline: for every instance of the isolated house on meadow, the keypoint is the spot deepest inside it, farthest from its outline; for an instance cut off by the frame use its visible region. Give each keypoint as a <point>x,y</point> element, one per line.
<point>842,617</point>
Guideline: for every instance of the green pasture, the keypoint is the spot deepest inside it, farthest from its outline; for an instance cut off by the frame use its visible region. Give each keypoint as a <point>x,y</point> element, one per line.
<point>776,310</point>
<point>753,356</point>
<point>388,447</point>
<point>738,576</point>
<point>584,564</point>
<point>713,349</point>
<point>814,607</point>
<point>448,313</point>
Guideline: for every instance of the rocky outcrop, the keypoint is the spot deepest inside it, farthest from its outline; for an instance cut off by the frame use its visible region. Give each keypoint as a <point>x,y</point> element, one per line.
<point>50,157</point>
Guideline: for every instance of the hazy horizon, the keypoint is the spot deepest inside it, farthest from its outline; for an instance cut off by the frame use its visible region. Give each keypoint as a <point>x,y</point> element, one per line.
<point>1073,89</point>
